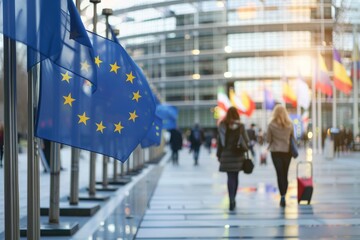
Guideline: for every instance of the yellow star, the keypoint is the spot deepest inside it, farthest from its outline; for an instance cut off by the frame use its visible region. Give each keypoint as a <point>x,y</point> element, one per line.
<point>133,116</point>
<point>114,67</point>
<point>83,118</point>
<point>66,77</point>
<point>98,61</point>
<point>100,127</point>
<point>85,66</point>
<point>130,77</point>
<point>136,96</point>
<point>118,127</point>
<point>68,99</point>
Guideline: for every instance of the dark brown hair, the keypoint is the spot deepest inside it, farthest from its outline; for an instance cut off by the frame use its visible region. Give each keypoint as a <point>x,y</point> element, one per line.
<point>231,116</point>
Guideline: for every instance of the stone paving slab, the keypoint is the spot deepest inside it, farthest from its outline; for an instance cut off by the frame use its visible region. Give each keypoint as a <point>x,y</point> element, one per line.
<point>190,202</point>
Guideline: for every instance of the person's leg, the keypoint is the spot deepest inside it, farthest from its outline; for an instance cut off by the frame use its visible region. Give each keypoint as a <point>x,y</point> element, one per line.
<point>281,177</point>
<point>196,155</point>
<point>286,158</point>
<point>1,156</point>
<point>176,153</point>
<point>232,188</point>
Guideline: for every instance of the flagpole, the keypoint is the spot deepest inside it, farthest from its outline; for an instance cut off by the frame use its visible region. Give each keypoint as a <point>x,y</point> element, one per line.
<point>263,122</point>
<point>92,173</point>
<point>355,87</point>
<point>334,106</point>
<point>33,175</point>
<point>313,107</point>
<point>75,154</point>
<point>11,182</point>
<point>33,198</point>
<point>106,12</point>
<point>319,127</point>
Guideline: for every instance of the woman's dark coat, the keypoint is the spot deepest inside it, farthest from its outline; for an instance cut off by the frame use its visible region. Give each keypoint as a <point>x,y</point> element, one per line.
<point>230,159</point>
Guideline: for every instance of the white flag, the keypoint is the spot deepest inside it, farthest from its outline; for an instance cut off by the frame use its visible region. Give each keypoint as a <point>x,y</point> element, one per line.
<point>302,93</point>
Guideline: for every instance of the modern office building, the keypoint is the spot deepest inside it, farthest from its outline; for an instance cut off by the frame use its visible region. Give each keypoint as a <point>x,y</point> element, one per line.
<point>189,48</point>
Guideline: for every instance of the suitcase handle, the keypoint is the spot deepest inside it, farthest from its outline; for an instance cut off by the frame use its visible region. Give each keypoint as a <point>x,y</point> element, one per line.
<point>304,162</point>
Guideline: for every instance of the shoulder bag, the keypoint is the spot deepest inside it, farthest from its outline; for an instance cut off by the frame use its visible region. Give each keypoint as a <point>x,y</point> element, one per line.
<point>293,148</point>
<point>248,165</point>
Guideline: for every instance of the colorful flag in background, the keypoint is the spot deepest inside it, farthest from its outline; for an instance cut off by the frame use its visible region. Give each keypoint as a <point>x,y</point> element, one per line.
<point>269,99</point>
<point>289,95</point>
<point>242,102</point>
<point>50,29</point>
<point>223,101</point>
<point>111,121</point>
<point>302,93</point>
<point>341,79</point>
<point>323,83</point>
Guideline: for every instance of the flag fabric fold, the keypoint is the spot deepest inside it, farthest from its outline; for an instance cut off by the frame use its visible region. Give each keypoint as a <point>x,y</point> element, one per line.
<point>269,99</point>
<point>288,94</point>
<point>153,137</point>
<point>322,82</point>
<point>302,93</point>
<point>50,29</point>
<point>341,79</point>
<point>243,102</point>
<point>168,114</point>
<point>111,121</point>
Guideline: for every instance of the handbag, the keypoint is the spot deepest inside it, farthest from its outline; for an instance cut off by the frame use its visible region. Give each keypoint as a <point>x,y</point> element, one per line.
<point>293,148</point>
<point>248,165</point>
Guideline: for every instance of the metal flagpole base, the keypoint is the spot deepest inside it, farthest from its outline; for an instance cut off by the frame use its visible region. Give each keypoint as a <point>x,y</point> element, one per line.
<point>60,229</point>
<point>118,181</point>
<point>82,209</point>
<point>95,197</point>
<point>100,188</point>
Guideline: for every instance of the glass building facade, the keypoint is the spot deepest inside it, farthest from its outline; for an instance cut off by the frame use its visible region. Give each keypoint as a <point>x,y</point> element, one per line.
<point>187,49</point>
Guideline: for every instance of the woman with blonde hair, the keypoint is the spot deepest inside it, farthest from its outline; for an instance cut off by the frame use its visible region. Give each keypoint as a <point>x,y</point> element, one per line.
<point>230,133</point>
<point>279,131</point>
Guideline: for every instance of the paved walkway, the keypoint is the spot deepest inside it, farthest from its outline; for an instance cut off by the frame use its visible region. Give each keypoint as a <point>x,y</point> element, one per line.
<point>190,202</point>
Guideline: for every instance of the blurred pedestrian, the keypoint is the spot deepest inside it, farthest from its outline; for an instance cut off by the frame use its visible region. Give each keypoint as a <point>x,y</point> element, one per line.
<point>1,144</point>
<point>280,129</point>
<point>253,138</point>
<point>196,139</point>
<point>175,144</point>
<point>231,134</point>
<point>208,140</point>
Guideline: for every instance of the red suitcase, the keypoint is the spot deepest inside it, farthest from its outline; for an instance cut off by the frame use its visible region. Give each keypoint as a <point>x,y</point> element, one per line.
<point>304,184</point>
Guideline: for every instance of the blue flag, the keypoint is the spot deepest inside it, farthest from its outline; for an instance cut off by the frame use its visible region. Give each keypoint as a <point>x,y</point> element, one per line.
<point>153,137</point>
<point>113,35</point>
<point>269,100</point>
<point>51,29</point>
<point>168,114</point>
<point>113,120</point>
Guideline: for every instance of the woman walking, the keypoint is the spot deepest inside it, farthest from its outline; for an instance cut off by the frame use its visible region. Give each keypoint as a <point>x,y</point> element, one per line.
<point>231,134</point>
<point>280,129</point>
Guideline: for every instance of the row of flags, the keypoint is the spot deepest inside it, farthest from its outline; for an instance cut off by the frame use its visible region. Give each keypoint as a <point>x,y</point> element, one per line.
<point>93,96</point>
<point>299,93</point>
<point>342,81</point>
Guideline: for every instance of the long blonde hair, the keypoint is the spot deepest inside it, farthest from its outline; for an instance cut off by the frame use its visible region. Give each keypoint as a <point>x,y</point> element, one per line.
<point>280,116</point>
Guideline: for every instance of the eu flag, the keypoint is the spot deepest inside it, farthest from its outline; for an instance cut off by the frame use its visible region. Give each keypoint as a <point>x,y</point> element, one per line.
<point>168,114</point>
<point>51,29</point>
<point>113,120</point>
<point>153,137</point>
